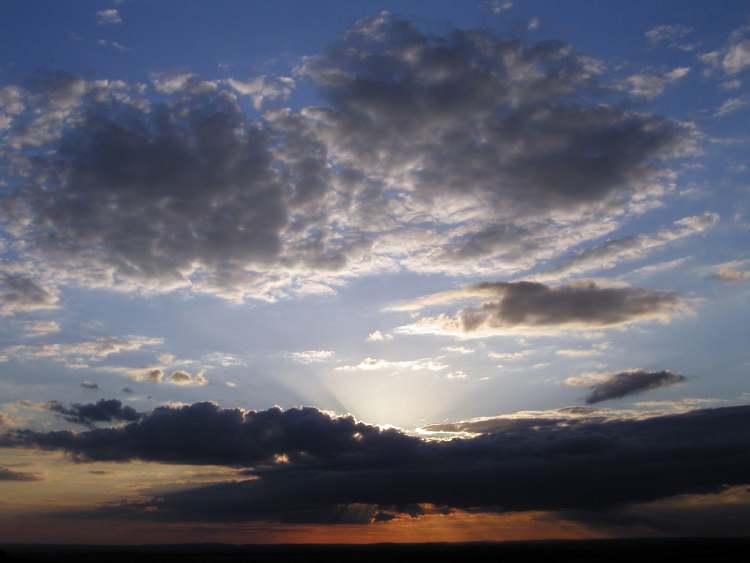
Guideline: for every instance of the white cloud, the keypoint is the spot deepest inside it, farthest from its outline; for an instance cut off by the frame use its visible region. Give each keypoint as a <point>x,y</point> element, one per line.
<point>313,356</point>
<point>731,105</point>
<point>378,336</point>
<point>652,85</point>
<point>108,16</point>
<point>378,364</point>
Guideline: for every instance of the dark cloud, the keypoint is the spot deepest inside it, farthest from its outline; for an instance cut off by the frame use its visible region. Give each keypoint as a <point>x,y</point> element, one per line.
<point>127,390</point>
<point>527,305</point>
<point>105,410</point>
<point>632,382</point>
<point>474,113</point>
<point>20,293</point>
<point>310,466</point>
<point>89,385</point>
<point>11,475</point>
<point>535,304</point>
<point>191,191</point>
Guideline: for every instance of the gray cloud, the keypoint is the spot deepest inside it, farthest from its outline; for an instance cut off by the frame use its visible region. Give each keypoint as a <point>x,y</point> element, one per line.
<point>631,382</point>
<point>310,466</point>
<point>429,152</point>
<point>531,305</point>
<point>19,294</point>
<point>89,385</point>
<point>11,475</point>
<point>105,410</point>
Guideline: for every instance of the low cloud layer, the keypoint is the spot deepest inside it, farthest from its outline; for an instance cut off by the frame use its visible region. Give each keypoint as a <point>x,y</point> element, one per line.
<point>309,466</point>
<point>7,474</point>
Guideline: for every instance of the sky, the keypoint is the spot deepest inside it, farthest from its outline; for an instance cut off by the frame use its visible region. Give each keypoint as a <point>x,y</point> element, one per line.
<point>373,271</point>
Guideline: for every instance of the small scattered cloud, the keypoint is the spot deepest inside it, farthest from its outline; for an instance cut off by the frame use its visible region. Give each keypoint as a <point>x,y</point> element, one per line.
<point>734,271</point>
<point>732,105</point>
<point>113,45</point>
<point>90,385</point>
<point>108,17</point>
<point>673,36</point>
<point>653,85</point>
<point>498,6</point>
<point>379,364</point>
<point>378,336</point>
<point>313,356</point>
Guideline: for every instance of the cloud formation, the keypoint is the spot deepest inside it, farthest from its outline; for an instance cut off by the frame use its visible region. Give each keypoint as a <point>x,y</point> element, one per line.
<point>617,250</point>
<point>461,153</point>
<point>7,474</point>
<point>523,306</point>
<point>311,466</point>
<point>626,383</point>
<point>104,410</point>
<point>21,294</point>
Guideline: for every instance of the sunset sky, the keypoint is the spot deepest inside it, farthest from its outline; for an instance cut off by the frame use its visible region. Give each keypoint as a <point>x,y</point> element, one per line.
<point>358,271</point>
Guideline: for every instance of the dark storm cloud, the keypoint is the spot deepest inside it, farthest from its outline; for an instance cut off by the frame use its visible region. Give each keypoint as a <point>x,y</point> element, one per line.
<point>309,466</point>
<point>20,293</point>
<point>620,385</point>
<point>105,410</point>
<point>11,475</point>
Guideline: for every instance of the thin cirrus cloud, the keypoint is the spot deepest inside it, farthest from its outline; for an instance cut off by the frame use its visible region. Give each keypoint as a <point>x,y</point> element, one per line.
<point>261,203</point>
<point>610,253</point>
<point>519,307</point>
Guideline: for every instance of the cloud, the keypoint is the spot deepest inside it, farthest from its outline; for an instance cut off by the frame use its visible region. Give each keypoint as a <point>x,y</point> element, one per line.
<point>80,354</point>
<point>39,328</point>
<point>731,271</point>
<point>463,153</point>
<point>313,356</point>
<point>378,336</point>
<point>731,105</point>
<point>310,466</point>
<point>652,85</point>
<point>535,307</point>
<point>263,88</point>
<point>614,251</point>
<point>182,377</point>
<point>108,16</point>
<point>672,35</point>
<point>113,44</point>
<point>498,6</point>
<point>90,385</point>
<point>21,294</point>
<point>105,410</point>
<point>379,364</point>
<point>11,475</point>
<point>623,384</point>
<point>734,56</point>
